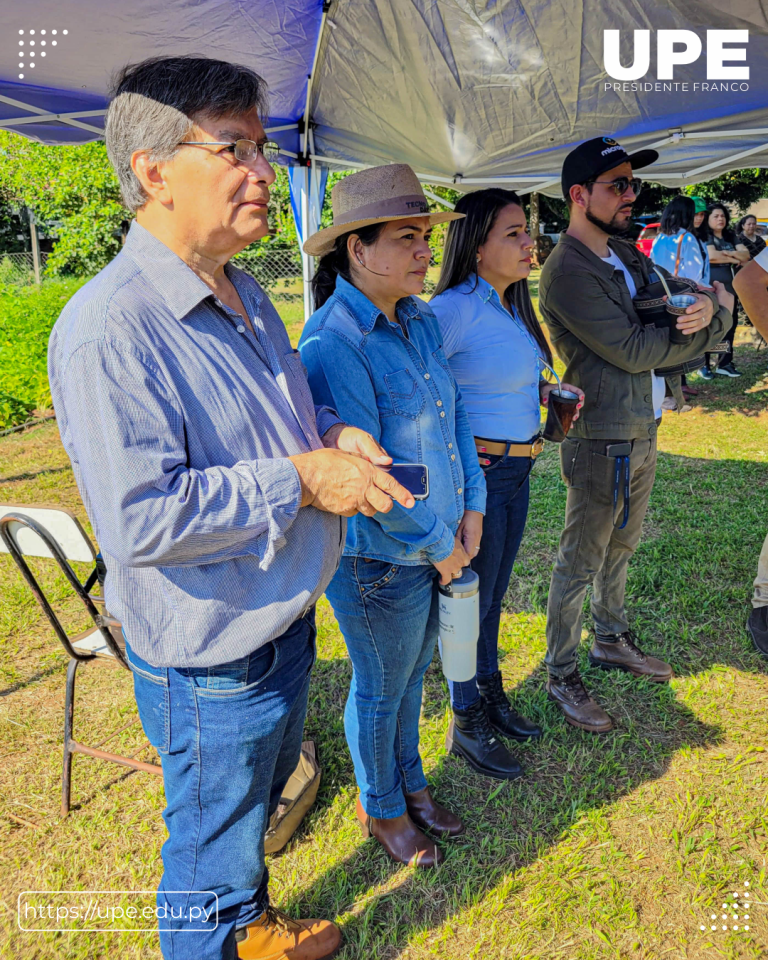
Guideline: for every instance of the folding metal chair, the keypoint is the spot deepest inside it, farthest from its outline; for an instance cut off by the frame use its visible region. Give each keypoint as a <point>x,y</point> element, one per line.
<point>56,533</point>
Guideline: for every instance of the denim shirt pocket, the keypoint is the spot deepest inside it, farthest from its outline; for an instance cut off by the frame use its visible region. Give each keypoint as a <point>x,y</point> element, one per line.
<point>407,399</point>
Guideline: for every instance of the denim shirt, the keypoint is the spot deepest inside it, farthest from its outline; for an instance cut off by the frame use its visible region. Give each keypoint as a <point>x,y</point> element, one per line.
<point>494,358</point>
<point>401,390</point>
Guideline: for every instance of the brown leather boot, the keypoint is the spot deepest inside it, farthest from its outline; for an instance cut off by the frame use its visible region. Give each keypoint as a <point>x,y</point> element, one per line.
<point>275,936</point>
<point>578,708</point>
<point>620,652</point>
<point>401,838</point>
<point>429,815</point>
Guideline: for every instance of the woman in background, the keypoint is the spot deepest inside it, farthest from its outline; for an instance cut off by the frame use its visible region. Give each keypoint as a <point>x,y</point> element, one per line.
<point>746,234</point>
<point>497,351</point>
<point>726,254</point>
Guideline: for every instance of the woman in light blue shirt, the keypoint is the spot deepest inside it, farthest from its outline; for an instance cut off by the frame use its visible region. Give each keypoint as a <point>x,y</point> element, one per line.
<point>676,247</point>
<point>496,350</point>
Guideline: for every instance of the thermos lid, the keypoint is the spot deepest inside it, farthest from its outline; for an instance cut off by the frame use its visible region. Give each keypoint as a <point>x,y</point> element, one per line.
<point>467,585</point>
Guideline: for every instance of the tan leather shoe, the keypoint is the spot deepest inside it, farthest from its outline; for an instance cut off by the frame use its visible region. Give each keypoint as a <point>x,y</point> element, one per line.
<point>401,839</point>
<point>622,653</point>
<point>429,815</point>
<point>275,936</point>
<point>578,708</point>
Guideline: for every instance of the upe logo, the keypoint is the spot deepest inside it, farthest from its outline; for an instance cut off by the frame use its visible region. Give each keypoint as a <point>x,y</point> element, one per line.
<point>676,48</point>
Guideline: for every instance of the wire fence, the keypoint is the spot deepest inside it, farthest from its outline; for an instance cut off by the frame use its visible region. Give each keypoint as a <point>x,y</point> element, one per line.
<point>19,267</point>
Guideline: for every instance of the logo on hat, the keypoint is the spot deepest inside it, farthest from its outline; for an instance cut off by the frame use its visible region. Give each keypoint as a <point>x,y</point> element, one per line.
<point>610,142</point>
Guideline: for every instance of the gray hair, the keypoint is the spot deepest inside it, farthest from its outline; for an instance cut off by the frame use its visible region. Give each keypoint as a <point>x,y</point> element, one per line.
<point>155,104</point>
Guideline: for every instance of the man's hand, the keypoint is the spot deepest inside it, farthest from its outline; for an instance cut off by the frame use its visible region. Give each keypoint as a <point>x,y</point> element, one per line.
<point>357,442</point>
<point>470,531</point>
<point>451,567</point>
<point>546,388</point>
<point>344,484</point>
<point>698,315</point>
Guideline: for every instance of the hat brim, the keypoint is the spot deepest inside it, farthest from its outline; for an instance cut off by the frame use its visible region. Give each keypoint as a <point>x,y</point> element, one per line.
<point>643,158</point>
<point>324,240</point>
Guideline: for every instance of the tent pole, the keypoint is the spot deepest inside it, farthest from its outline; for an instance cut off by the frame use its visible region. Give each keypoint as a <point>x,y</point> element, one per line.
<point>35,245</point>
<point>307,262</point>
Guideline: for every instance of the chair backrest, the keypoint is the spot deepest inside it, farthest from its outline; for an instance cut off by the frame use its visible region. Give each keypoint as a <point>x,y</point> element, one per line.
<point>61,524</point>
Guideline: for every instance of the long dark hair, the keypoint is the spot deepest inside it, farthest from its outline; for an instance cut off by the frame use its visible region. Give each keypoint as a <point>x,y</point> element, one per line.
<point>728,234</point>
<point>678,215</point>
<point>336,263</point>
<point>460,254</point>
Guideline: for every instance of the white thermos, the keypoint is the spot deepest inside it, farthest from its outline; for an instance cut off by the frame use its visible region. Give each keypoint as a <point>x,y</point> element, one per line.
<point>459,621</point>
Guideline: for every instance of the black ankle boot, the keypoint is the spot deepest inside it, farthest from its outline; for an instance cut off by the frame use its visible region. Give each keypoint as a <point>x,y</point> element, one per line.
<point>502,717</point>
<point>470,736</point>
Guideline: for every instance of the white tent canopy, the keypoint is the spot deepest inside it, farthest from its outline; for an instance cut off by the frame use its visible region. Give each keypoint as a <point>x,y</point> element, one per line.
<point>469,92</point>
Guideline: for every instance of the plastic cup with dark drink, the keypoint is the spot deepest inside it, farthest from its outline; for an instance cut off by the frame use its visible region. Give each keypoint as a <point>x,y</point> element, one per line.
<point>561,409</point>
<point>677,305</point>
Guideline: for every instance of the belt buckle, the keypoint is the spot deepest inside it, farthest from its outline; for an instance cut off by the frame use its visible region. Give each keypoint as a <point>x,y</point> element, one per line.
<point>537,447</point>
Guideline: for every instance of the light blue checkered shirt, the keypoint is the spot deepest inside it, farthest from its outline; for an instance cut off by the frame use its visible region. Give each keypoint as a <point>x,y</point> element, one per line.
<point>178,422</point>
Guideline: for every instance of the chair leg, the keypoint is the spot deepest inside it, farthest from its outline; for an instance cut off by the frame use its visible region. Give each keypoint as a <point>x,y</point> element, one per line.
<point>69,709</point>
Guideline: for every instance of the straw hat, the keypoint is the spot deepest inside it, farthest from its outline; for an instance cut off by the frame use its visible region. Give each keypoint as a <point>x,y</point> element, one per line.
<point>391,192</point>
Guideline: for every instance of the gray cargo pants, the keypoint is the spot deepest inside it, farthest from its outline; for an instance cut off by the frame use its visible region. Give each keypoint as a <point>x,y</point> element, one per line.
<point>593,550</point>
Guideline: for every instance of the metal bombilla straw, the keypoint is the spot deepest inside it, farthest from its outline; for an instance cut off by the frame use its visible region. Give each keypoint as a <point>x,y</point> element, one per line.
<point>552,369</point>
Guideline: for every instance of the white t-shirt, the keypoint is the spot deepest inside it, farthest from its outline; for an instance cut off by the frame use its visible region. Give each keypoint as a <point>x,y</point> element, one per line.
<point>762,259</point>
<point>659,386</point>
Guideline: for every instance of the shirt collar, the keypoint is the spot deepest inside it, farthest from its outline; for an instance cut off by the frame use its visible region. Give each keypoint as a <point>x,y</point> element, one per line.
<point>599,265</point>
<point>367,313</point>
<point>177,283</point>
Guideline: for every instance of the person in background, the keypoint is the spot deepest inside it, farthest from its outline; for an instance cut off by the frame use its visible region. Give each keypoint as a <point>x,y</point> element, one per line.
<point>747,235</point>
<point>496,350</point>
<point>608,460</point>
<point>376,350</point>
<point>216,490</point>
<point>751,286</point>
<point>726,254</point>
<point>700,222</point>
<point>682,254</point>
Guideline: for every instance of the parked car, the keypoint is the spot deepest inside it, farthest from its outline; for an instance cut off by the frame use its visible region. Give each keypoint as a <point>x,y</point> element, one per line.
<point>647,235</point>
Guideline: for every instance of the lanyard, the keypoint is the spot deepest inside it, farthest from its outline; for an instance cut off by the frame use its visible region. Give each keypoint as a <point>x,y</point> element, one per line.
<point>617,483</point>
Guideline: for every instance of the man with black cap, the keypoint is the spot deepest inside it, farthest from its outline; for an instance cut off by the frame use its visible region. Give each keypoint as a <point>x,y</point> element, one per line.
<point>609,459</point>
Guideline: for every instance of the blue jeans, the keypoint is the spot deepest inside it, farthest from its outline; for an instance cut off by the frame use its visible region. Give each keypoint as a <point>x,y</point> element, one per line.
<point>388,616</point>
<point>506,510</point>
<point>229,737</point>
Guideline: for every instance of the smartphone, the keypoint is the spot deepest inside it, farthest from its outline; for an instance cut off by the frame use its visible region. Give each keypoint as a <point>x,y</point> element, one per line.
<point>413,476</point>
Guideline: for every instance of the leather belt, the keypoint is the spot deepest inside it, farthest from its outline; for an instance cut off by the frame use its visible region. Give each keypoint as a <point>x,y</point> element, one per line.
<point>497,449</point>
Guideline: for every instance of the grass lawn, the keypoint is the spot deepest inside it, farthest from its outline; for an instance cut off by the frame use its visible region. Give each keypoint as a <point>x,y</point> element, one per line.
<point>620,846</point>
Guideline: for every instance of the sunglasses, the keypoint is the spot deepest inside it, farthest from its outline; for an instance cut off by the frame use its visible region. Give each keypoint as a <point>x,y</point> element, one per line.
<point>620,185</point>
<point>243,150</point>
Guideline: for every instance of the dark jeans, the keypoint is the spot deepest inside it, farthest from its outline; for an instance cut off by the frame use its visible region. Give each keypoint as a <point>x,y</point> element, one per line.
<point>229,737</point>
<point>507,483</point>
<point>593,550</point>
<point>723,359</point>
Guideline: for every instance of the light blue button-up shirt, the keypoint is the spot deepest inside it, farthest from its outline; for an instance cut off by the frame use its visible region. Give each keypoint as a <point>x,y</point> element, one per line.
<point>694,259</point>
<point>400,389</point>
<point>178,422</point>
<point>495,360</point>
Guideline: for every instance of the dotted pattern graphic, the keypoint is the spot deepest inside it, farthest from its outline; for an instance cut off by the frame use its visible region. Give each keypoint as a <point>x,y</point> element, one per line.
<point>34,46</point>
<point>736,910</point>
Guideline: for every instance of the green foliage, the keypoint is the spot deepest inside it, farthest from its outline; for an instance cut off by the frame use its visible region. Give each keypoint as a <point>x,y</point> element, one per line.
<point>27,315</point>
<point>73,187</point>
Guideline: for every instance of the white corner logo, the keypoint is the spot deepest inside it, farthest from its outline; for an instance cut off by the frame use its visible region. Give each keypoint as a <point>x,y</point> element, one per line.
<point>737,910</point>
<point>33,44</point>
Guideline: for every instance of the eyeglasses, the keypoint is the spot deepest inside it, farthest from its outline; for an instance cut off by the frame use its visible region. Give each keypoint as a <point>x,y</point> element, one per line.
<point>244,150</point>
<point>620,185</point>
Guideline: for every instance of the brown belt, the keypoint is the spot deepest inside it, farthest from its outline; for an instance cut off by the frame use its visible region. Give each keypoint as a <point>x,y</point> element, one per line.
<point>497,449</point>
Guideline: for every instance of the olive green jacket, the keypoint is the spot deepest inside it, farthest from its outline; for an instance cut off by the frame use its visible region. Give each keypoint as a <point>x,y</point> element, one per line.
<point>607,350</point>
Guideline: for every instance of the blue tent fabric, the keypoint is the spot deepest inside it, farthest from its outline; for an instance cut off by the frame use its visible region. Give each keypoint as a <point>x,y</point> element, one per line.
<point>494,91</point>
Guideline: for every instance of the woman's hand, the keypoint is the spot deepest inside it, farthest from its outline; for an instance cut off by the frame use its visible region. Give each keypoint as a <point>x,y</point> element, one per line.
<point>546,388</point>
<point>470,531</point>
<point>451,567</point>
<point>357,442</point>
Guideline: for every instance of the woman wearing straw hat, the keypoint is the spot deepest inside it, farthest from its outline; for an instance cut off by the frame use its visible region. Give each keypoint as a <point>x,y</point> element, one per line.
<point>373,352</point>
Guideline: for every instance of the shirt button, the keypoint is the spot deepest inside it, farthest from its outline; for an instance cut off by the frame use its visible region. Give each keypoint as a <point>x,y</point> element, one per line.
<point>647,399</point>
<point>459,490</point>
<point>241,329</point>
<point>442,413</point>
<point>450,446</point>
<point>439,403</point>
<point>453,456</point>
<point>426,376</point>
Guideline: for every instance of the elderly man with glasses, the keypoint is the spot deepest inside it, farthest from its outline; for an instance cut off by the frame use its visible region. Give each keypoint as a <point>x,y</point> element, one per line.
<point>609,459</point>
<point>216,489</point>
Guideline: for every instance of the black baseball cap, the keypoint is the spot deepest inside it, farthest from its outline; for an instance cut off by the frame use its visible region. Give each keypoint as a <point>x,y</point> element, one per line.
<point>594,156</point>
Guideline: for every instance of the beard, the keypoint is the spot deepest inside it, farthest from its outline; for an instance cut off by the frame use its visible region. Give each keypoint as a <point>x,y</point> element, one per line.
<point>614,227</point>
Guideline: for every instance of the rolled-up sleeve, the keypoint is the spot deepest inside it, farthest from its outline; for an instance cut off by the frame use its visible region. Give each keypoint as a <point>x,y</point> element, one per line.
<point>148,507</point>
